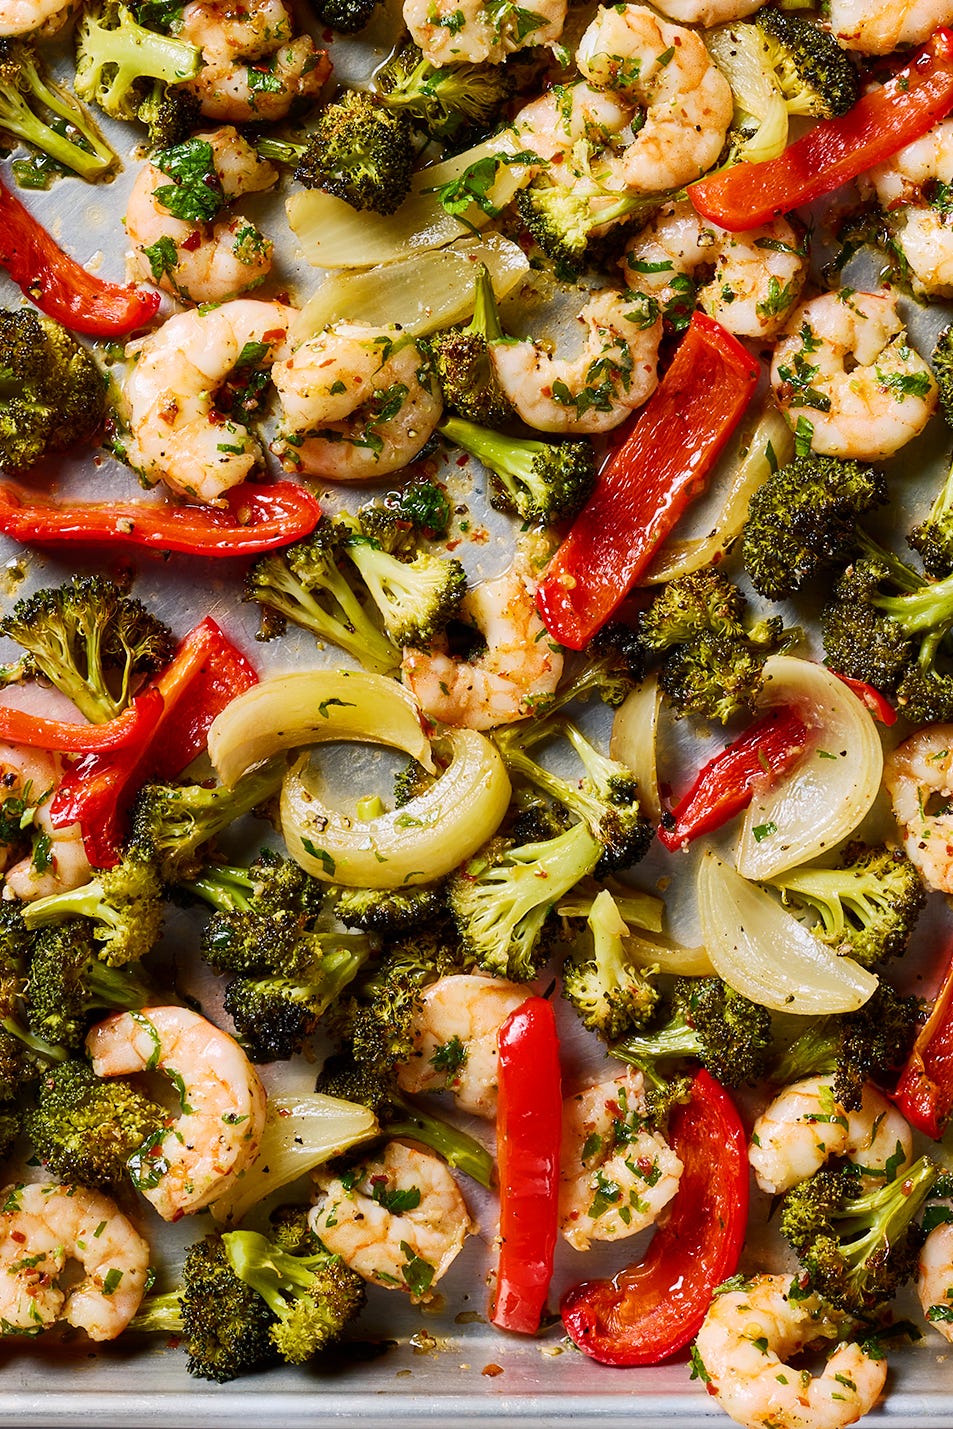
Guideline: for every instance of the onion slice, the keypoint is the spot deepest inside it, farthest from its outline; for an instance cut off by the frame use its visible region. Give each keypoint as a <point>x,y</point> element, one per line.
<point>634,740</point>
<point>825,795</point>
<point>764,953</point>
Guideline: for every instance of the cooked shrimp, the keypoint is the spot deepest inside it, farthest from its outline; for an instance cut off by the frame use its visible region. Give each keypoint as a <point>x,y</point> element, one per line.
<point>358,402</point>
<point>458,31</point>
<point>845,365</point>
<point>707,12</point>
<point>253,67</point>
<point>878,27</point>
<point>804,1126</point>
<point>24,17</point>
<point>935,1279</point>
<point>553,124</point>
<point>667,70</point>
<point>45,1226</point>
<point>222,1100</point>
<point>748,282</point>
<point>918,776</point>
<point>905,186</point>
<point>518,669</point>
<point>409,1248</point>
<point>615,372</point>
<point>454,1032</point>
<point>28,778</point>
<point>202,262</point>
<point>616,1174</point>
<point>745,1343</point>
<point>168,399</point>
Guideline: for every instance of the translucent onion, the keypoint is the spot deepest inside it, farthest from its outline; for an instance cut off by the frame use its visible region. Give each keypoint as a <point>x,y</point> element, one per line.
<point>764,953</point>
<point>314,707</point>
<point>823,798</point>
<point>421,294</point>
<point>771,444</point>
<point>670,957</point>
<point>738,51</point>
<point>417,843</point>
<point>634,740</point>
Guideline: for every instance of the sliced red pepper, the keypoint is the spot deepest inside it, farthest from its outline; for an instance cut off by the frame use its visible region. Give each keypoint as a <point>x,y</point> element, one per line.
<point>647,482</point>
<point>59,285</point>
<point>924,1090</point>
<point>21,727</point>
<point>529,1128</point>
<point>878,705</point>
<point>651,1310</point>
<point>254,519</point>
<point>836,150</point>
<point>205,675</point>
<point>727,783</point>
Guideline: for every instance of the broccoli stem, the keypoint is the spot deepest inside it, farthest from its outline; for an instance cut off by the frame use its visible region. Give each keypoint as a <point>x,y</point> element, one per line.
<point>280,151</point>
<point>676,1039</point>
<point>459,1150</point>
<point>36,1044</point>
<point>84,902</point>
<point>881,1216</point>
<point>509,458</point>
<point>225,888</point>
<point>486,317</point>
<point>812,1054</point>
<point>928,609</point>
<point>159,1315</point>
<point>18,118</point>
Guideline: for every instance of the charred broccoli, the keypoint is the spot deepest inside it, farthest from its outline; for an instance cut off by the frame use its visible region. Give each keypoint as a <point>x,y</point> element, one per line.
<point>358,150</point>
<point>86,1129</point>
<point>565,221</point>
<point>460,102</point>
<point>52,394</point>
<point>611,993</point>
<point>725,1031</point>
<point>416,598</point>
<point>345,16</point>
<point>812,72</point>
<point>461,360</point>
<point>387,911</point>
<point>541,481</point>
<point>124,905</point>
<point>943,372</point>
<point>264,915</point>
<point>47,118</point>
<point>67,984</point>
<point>932,538</point>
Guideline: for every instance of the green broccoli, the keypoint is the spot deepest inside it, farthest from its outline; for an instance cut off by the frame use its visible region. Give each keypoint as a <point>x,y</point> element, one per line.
<point>866,908</point>
<point>416,598</point>
<point>67,984</point>
<point>264,915</point>
<point>565,221</point>
<point>345,16</point>
<point>612,666</point>
<point>611,994</point>
<point>86,1129</point>
<point>804,519</point>
<point>357,149</point>
<point>23,1056</point>
<point>124,905</point>
<point>813,73</point>
<point>11,1126</point>
<point>461,103</point>
<point>462,362</point>
<point>728,1033</point>
<point>387,911</point>
<point>171,114</point>
<point>52,394</point>
<point>943,372</point>
<point>91,640</point>
<point>932,538</point>
<point>115,54</point>
<point>48,119</point>
<point>541,481</point>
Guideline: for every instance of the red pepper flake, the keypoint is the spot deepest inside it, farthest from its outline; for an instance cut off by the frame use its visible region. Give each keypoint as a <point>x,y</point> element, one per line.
<point>491,1370</point>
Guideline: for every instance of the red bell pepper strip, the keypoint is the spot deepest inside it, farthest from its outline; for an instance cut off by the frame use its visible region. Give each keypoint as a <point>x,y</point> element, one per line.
<point>727,783</point>
<point>836,150</point>
<point>205,675</point>
<point>878,705</point>
<point>529,1127</point>
<point>21,727</point>
<point>647,482</point>
<point>59,285</point>
<point>924,1090</point>
<point>254,519</point>
<point>652,1309</point>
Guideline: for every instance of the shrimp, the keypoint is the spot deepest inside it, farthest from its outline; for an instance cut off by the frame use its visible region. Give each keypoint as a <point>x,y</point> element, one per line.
<point>358,403</point>
<point>518,669</point>
<point>616,1175</point>
<point>42,1228</point>
<point>745,1342</point>
<point>202,262</point>
<point>748,281</point>
<point>401,1223</point>
<point>707,12</point>
<point>28,778</point>
<point>168,399</point>
<point>904,186</point>
<point>918,776</point>
<point>935,1279</point>
<point>217,1134</point>
<point>804,1126</point>
<point>878,27</point>
<point>667,70</point>
<point>457,31</point>
<point>454,1032</point>
<point>615,373</point>
<point>253,69</point>
<point>25,17</point>
<point>845,365</point>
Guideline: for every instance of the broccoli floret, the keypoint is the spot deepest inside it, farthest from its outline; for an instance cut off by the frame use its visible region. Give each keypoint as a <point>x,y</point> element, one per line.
<point>172,822</point>
<point>943,372</point>
<point>857,1247</point>
<point>264,915</point>
<point>224,1323</point>
<point>461,102</point>
<point>854,1047</point>
<point>345,16</point>
<point>564,221</point>
<point>352,1080</point>
<point>614,663</point>
<point>814,75</point>
<point>52,394</point>
<point>86,1129</point>
<point>307,584</point>
<point>462,362</point>
<point>359,151</point>
<point>90,640</point>
<point>47,117</point>
<point>714,662</point>
<point>804,518</point>
<point>67,984</point>
<point>502,898</point>
<point>387,911</point>
<point>23,1056</point>
<point>867,908</point>
<point>932,538</point>
<point>416,598</point>
<point>725,1031</point>
<point>611,994</point>
<point>313,1297</point>
<point>171,114</point>
<point>11,1125</point>
<point>542,481</point>
<point>124,905</point>
<point>114,54</point>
